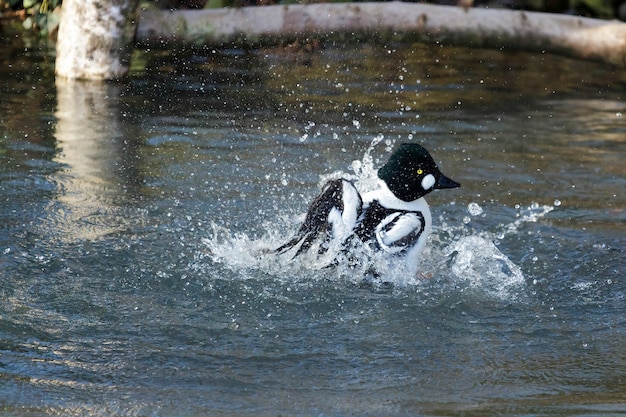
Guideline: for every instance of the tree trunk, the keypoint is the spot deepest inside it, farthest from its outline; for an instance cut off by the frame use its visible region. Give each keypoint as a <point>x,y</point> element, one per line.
<point>95,38</point>
<point>573,36</point>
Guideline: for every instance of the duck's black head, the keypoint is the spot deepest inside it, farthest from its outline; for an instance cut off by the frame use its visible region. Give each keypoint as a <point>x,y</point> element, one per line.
<point>411,173</point>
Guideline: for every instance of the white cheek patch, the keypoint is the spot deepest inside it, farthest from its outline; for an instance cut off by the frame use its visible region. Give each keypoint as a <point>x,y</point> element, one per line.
<point>428,181</point>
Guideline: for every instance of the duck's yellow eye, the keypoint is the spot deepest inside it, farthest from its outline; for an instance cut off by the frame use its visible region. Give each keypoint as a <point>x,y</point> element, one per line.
<point>420,172</point>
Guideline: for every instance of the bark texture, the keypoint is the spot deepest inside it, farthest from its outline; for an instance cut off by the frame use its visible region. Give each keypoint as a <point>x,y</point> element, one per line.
<point>95,38</point>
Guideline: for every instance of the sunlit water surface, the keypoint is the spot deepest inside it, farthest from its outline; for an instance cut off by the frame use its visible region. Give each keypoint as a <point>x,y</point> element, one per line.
<point>134,216</point>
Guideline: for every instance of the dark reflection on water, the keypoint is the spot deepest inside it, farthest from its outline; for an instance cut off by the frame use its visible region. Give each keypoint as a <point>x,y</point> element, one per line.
<point>131,213</point>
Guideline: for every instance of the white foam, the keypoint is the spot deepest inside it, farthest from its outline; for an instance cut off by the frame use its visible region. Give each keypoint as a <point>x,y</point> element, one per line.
<point>477,261</point>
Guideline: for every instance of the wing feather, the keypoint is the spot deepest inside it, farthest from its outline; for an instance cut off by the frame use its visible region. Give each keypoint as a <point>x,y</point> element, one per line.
<point>400,231</point>
<point>332,215</point>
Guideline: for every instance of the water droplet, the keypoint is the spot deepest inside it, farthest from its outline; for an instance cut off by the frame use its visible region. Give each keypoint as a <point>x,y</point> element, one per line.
<point>466,219</point>
<point>557,203</point>
<point>474,209</point>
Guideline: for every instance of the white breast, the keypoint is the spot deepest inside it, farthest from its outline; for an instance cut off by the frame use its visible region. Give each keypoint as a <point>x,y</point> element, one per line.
<point>386,198</point>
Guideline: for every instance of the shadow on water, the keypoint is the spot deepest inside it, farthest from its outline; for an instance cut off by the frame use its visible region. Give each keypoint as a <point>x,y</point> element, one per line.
<point>133,214</point>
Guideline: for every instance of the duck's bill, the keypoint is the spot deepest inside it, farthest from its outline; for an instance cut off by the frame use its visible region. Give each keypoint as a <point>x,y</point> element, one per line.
<point>445,182</point>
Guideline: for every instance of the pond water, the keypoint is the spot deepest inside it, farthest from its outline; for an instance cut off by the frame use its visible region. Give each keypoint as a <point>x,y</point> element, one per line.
<point>133,216</point>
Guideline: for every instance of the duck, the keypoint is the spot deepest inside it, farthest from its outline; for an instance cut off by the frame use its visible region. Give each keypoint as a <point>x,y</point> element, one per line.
<point>394,218</point>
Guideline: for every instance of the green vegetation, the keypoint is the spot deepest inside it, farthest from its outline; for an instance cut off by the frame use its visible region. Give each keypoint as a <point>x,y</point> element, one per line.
<point>41,16</point>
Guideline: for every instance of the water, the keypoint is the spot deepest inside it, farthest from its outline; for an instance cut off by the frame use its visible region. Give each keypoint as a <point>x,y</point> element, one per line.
<point>134,215</point>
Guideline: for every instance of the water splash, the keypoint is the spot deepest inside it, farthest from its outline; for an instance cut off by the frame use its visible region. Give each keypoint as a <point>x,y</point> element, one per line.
<point>477,261</point>
<point>365,170</point>
<point>458,253</point>
<point>474,258</point>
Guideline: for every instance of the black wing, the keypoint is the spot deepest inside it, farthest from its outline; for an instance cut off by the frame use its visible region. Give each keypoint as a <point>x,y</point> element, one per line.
<point>339,202</point>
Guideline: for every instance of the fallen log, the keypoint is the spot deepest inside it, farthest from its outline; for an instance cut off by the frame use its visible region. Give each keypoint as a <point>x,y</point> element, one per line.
<point>572,36</point>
